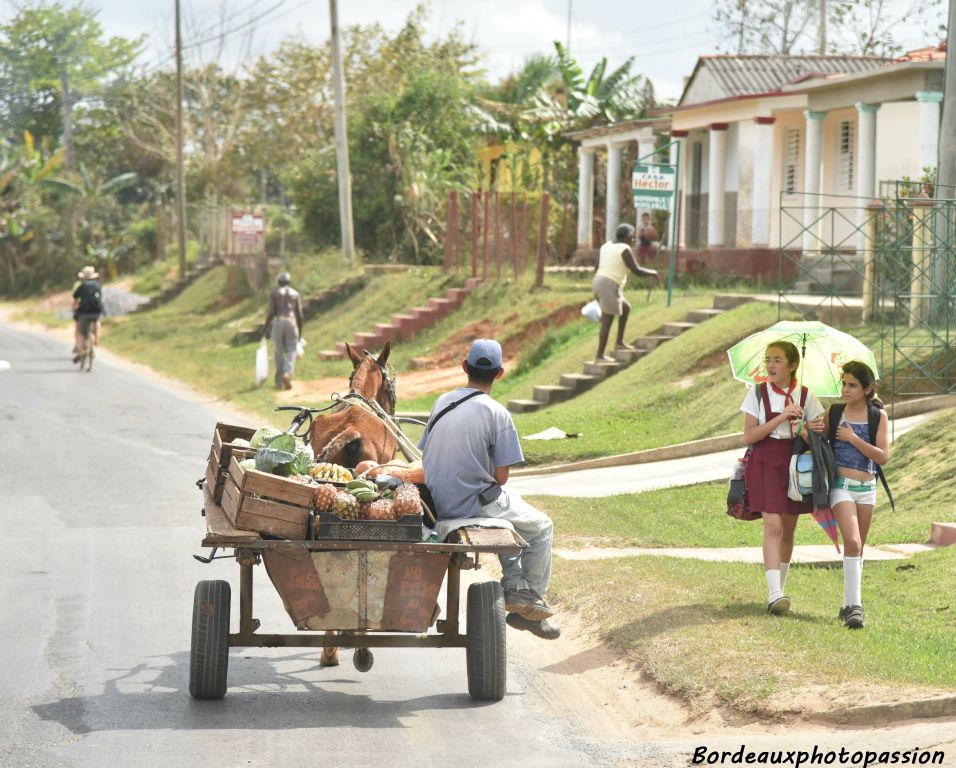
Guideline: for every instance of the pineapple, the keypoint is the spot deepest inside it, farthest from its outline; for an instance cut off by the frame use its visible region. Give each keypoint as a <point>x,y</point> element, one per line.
<point>345,505</point>
<point>382,509</point>
<point>363,510</point>
<point>406,501</point>
<point>324,497</point>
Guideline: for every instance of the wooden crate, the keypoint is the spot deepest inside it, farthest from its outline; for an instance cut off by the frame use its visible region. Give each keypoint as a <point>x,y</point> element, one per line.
<point>267,504</point>
<point>217,468</point>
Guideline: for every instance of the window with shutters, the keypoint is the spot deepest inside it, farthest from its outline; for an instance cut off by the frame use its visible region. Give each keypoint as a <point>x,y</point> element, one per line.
<point>846,161</point>
<point>791,160</point>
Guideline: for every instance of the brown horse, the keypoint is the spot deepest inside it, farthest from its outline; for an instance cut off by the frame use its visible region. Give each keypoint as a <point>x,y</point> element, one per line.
<point>350,435</point>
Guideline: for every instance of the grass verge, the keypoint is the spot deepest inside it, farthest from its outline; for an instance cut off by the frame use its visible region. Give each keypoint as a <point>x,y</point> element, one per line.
<point>702,631</point>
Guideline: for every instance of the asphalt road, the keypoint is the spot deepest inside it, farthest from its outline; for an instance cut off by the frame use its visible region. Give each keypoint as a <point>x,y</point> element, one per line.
<point>100,518</point>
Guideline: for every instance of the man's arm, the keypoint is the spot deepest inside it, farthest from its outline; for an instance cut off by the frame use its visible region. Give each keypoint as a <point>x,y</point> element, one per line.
<point>299,318</point>
<point>501,475</point>
<point>636,268</point>
<point>269,314</point>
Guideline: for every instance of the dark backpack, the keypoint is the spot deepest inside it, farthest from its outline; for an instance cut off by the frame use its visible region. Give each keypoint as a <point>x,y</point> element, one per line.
<point>872,425</point>
<point>89,295</point>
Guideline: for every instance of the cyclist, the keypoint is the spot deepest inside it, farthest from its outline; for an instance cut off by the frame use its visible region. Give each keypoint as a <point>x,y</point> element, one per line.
<point>87,308</point>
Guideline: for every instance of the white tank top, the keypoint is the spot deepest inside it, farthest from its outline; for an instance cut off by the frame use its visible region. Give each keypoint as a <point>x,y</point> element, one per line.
<point>611,264</point>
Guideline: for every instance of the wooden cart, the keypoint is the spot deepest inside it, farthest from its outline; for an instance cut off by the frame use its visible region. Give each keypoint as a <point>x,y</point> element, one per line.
<point>353,594</point>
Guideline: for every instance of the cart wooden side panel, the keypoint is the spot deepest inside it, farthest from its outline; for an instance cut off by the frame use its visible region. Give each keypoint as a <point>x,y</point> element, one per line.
<point>358,590</point>
<point>258,501</point>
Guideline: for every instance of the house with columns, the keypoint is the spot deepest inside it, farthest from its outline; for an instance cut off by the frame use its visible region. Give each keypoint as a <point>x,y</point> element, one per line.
<point>767,142</point>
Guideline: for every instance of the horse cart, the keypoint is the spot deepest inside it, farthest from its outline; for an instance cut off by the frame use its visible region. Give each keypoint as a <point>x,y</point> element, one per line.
<point>351,591</point>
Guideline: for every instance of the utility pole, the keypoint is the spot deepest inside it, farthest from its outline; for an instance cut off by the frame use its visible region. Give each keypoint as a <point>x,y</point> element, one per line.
<point>568,45</point>
<point>180,180</point>
<point>946,172</point>
<point>341,142</point>
<point>822,32</point>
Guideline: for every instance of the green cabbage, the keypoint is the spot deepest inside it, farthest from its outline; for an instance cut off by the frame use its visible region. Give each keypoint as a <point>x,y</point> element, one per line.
<point>263,436</point>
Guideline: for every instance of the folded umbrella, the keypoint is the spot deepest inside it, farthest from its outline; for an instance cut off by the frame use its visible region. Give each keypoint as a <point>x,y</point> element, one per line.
<point>828,523</point>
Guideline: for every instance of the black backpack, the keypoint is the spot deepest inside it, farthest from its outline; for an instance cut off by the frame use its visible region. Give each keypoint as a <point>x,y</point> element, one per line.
<point>89,295</point>
<point>872,424</point>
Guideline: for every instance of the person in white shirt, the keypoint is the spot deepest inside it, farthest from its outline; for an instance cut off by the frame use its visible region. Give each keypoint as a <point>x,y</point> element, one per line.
<point>615,259</point>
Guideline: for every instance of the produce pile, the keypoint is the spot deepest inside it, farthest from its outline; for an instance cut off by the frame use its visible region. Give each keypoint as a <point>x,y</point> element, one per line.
<point>337,490</point>
<point>385,498</point>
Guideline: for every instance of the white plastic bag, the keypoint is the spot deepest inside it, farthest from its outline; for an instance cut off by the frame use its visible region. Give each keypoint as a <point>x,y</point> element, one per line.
<point>592,310</point>
<point>300,349</point>
<point>262,362</point>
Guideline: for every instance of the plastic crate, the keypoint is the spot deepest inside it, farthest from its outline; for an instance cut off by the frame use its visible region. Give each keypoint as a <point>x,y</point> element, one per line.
<point>331,526</point>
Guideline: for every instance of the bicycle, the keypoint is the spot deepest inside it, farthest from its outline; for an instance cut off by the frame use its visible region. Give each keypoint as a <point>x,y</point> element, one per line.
<point>84,355</point>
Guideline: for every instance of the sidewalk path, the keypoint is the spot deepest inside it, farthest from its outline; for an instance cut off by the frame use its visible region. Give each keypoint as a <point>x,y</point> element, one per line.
<point>611,481</point>
<point>806,554</point>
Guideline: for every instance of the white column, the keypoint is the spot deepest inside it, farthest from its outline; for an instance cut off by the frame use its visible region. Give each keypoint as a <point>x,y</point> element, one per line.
<point>811,177</point>
<point>865,164</point>
<point>612,215</point>
<point>679,139</point>
<point>716,171</point>
<point>762,178</point>
<point>585,196</point>
<point>929,102</point>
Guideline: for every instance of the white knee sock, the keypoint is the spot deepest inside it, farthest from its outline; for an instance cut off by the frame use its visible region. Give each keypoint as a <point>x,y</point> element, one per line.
<point>784,570</point>
<point>852,578</point>
<point>774,590</point>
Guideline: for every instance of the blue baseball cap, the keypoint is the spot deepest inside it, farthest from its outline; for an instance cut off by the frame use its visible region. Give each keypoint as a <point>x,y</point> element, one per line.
<point>485,355</point>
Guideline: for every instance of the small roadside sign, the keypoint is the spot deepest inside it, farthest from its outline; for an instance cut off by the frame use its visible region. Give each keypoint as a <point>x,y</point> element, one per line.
<point>653,185</point>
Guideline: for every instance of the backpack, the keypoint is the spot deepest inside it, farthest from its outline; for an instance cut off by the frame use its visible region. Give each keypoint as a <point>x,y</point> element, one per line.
<point>872,425</point>
<point>89,296</point>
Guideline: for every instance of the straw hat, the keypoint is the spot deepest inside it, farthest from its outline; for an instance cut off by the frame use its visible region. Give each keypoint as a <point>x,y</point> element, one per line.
<point>87,273</point>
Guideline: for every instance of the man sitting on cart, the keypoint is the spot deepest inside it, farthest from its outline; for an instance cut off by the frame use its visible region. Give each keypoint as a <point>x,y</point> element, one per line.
<point>469,447</point>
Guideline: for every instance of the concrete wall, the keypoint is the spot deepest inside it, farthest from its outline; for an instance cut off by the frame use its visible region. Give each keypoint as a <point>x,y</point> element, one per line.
<point>897,141</point>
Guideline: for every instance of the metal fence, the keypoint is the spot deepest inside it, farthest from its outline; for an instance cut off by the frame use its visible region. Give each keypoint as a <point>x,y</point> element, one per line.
<point>886,267</point>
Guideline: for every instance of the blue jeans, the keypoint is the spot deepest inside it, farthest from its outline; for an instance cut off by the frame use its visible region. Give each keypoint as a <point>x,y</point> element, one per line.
<point>531,568</point>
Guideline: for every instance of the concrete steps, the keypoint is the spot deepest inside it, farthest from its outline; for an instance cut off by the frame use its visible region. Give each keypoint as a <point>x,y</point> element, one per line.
<point>405,325</point>
<point>573,384</point>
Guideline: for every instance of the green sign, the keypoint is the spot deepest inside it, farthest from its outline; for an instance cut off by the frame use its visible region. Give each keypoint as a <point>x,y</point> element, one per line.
<point>653,185</point>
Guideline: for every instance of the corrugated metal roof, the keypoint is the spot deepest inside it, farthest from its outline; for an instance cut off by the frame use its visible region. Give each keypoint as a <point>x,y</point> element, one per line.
<point>757,74</point>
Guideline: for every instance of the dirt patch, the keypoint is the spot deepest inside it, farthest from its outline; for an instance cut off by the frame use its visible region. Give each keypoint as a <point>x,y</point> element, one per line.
<point>514,338</point>
<point>408,384</point>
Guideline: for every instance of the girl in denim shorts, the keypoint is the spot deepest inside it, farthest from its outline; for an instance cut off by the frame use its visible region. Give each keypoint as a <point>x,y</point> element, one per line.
<point>853,496</point>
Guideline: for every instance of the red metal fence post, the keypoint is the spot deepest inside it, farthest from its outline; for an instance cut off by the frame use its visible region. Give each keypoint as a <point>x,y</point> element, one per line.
<point>474,234</point>
<point>497,235</point>
<point>451,229</point>
<point>542,240</point>
<point>514,234</point>
<point>484,237</point>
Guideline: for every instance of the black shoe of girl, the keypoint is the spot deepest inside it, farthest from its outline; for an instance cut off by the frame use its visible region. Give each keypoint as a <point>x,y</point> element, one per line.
<point>854,617</point>
<point>779,606</point>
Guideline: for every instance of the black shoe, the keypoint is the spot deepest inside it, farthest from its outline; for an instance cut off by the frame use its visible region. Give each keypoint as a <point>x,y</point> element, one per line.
<point>854,617</point>
<point>528,604</point>
<point>843,612</point>
<point>779,606</point>
<point>543,628</point>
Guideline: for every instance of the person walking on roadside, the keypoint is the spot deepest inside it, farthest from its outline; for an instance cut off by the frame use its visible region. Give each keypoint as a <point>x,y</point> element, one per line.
<point>614,260</point>
<point>860,451</point>
<point>468,449</point>
<point>87,308</point>
<point>772,412</point>
<point>285,315</point>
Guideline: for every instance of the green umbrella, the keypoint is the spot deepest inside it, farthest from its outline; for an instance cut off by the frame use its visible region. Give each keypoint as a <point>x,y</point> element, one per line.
<point>823,351</point>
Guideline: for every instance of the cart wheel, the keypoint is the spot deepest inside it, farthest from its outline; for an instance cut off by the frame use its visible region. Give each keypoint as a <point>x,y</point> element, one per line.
<point>486,650</point>
<point>363,659</point>
<point>209,653</point>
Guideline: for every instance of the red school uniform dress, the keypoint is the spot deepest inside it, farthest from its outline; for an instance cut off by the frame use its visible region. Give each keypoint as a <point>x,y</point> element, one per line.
<point>767,475</point>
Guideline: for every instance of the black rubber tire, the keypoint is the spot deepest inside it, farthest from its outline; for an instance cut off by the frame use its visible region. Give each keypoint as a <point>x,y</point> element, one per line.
<point>209,652</point>
<point>363,659</point>
<point>486,651</point>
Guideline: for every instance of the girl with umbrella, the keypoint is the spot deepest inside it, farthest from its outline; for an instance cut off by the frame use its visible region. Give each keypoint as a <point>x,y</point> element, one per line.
<point>853,497</point>
<point>772,412</point>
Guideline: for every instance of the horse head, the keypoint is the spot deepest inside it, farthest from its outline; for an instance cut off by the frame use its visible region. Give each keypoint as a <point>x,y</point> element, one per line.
<point>370,378</point>
<point>352,435</point>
